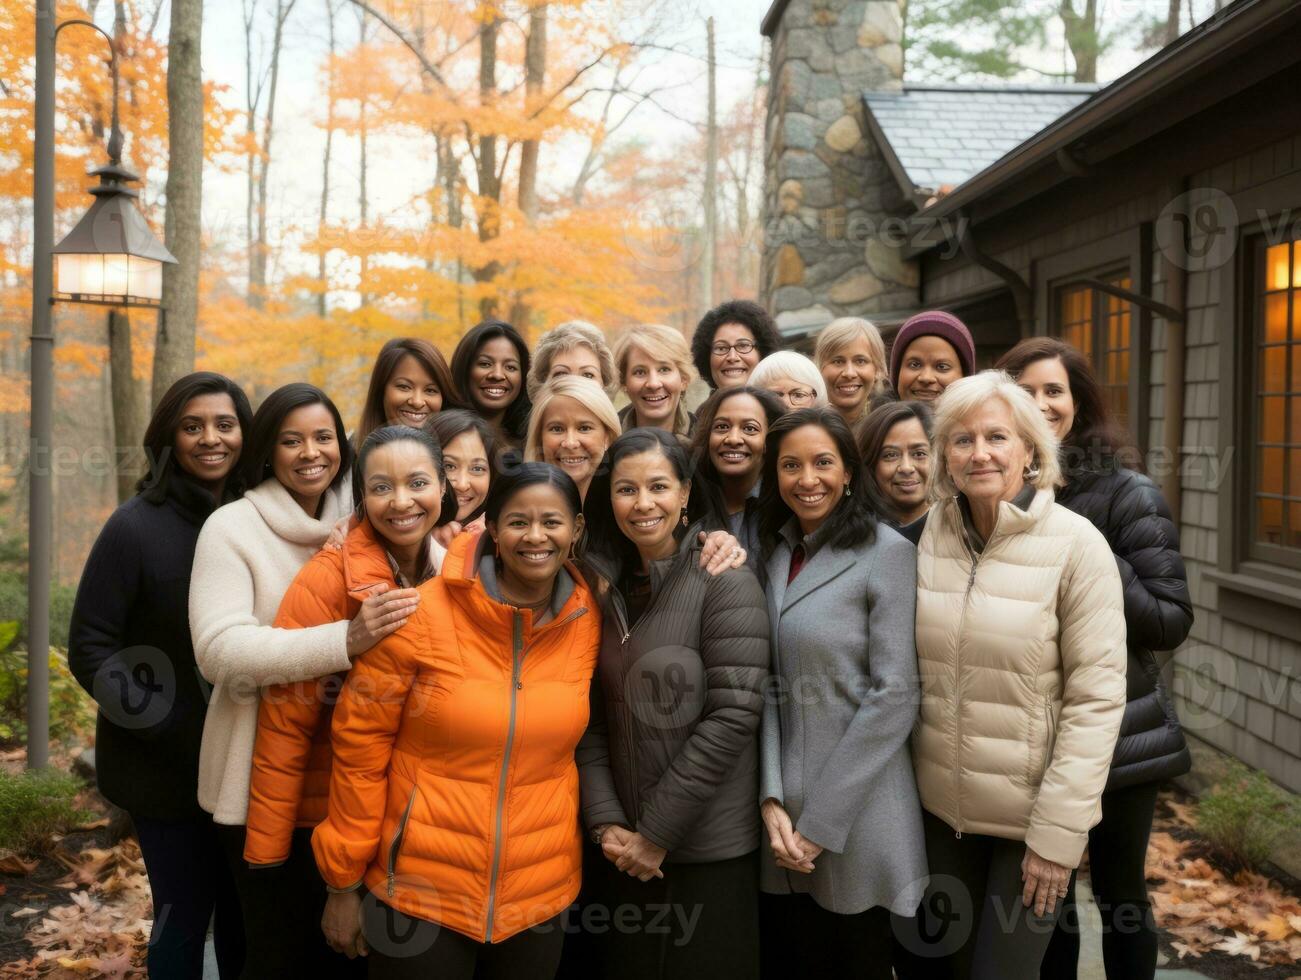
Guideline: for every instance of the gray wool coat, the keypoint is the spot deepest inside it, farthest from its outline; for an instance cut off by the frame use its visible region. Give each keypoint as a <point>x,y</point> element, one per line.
<point>837,719</point>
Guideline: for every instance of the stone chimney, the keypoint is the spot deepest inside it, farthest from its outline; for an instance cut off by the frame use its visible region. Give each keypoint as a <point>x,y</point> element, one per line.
<point>832,209</point>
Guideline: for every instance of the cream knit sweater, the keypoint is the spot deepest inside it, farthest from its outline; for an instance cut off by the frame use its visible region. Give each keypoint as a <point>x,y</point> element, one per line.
<point>248,553</point>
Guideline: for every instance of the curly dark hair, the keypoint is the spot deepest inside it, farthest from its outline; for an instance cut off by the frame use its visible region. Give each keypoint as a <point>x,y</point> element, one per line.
<point>748,314</point>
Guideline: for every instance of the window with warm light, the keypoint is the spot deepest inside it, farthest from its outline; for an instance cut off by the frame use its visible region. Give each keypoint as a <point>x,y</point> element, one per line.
<point>1275,495</point>
<point>1101,326</point>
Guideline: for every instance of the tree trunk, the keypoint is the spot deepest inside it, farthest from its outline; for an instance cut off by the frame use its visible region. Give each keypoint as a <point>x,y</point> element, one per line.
<point>322,305</point>
<point>489,185</point>
<point>174,347</point>
<point>258,286</point>
<point>1081,32</point>
<point>535,71</point>
<point>363,198</point>
<point>711,182</point>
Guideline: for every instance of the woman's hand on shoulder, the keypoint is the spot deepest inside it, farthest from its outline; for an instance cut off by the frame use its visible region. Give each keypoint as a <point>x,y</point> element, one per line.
<point>385,610</point>
<point>339,533</point>
<point>720,551</point>
<point>446,533</point>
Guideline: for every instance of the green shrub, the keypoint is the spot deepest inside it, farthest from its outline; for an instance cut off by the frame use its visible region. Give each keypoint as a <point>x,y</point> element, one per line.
<point>36,804</point>
<point>1245,813</point>
<point>72,712</point>
<point>13,606</point>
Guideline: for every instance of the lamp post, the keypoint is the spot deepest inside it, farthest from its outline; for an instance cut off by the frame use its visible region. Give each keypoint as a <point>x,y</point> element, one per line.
<point>111,258</point>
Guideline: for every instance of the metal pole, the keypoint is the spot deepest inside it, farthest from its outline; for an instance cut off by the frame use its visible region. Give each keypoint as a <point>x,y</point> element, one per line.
<point>39,523</point>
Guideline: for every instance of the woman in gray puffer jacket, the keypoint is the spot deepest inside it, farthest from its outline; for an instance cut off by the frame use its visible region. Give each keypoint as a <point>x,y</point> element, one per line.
<point>1132,515</point>
<point>669,765</point>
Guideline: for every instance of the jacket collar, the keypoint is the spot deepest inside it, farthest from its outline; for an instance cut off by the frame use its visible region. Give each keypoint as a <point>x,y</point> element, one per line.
<point>821,564</point>
<point>367,562</point>
<point>1011,518</point>
<point>190,499</point>
<point>289,521</point>
<point>469,569</point>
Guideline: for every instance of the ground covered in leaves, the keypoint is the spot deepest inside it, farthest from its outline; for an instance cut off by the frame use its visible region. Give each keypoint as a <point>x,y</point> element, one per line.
<point>82,908</point>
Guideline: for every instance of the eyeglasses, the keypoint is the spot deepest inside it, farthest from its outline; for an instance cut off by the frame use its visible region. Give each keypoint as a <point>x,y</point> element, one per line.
<point>721,349</point>
<point>796,396</point>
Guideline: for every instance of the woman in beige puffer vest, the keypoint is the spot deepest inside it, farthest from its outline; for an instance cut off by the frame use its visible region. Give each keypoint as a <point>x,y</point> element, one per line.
<point>1021,655</point>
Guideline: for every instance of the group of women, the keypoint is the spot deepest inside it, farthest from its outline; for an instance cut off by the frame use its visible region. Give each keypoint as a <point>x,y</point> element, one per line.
<point>843,672</point>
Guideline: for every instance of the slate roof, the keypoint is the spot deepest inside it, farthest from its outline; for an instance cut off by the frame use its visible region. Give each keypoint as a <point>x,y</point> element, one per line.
<point>933,135</point>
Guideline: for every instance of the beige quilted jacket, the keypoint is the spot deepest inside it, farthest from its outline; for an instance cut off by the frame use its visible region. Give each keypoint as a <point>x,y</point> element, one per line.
<point>1021,654</point>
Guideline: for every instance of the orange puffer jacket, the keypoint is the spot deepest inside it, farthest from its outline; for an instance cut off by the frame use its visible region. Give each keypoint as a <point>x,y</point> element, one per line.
<point>290,781</point>
<point>455,794</point>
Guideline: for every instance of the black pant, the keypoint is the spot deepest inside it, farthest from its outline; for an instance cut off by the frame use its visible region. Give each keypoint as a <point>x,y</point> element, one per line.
<point>972,922</point>
<point>406,948</point>
<point>1117,871</point>
<point>698,921</point>
<point>801,938</point>
<point>282,909</point>
<point>191,886</point>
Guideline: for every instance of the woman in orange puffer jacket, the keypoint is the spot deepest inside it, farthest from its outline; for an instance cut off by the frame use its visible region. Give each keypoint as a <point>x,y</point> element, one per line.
<point>454,794</point>
<point>389,552</point>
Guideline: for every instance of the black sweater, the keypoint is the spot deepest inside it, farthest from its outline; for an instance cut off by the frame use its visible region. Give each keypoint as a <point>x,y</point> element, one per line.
<point>129,646</point>
<point>1132,515</point>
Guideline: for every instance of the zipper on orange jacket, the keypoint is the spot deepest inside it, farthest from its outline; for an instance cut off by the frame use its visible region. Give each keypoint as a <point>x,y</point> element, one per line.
<point>518,649</point>
<point>397,839</point>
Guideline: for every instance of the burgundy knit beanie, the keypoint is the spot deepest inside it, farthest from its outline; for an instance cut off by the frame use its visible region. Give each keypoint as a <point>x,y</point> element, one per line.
<point>935,323</point>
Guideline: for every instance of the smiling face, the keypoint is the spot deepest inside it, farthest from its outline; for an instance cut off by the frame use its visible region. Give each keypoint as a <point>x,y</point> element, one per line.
<point>653,387</point>
<point>736,438</point>
<point>648,500</point>
<point>403,491</point>
<point>811,476</point>
<point>850,376</point>
<point>306,457</point>
<point>534,532</point>
<point>580,361</point>
<point>985,455</point>
<point>495,377</point>
<point>929,365</point>
<point>1050,386</point>
<point>411,395</point>
<point>573,439</point>
<point>209,439</point>
<point>731,368</point>
<point>465,461</point>
<point>903,466</point>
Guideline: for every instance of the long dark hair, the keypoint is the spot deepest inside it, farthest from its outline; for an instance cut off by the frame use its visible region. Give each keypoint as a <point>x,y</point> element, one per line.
<point>853,522</point>
<point>872,433</point>
<point>606,547</point>
<point>744,312</point>
<point>160,435</point>
<point>390,434</point>
<point>713,507</point>
<point>446,426</point>
<point>386,362</point>
<point>527,475</point>
<point>515,422</point>
<point>1096,438</point>
<point>260,447</point>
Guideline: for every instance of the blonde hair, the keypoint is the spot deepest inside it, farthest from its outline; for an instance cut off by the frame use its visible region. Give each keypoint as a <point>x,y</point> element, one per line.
<point>582,390</point>
<point>660,343</point>
<point>962,398</point>
<point>842,332</point>
<point>793,365</point>
<point>562,339</point>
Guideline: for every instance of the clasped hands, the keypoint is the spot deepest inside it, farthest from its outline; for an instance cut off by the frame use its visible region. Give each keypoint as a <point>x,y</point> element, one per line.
<point>793,850</point>
<point>632,853</point>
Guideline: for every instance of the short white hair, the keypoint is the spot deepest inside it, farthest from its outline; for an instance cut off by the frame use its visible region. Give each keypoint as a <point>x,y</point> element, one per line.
<point>791,365</point>
<point>582,390</point>
<point>962,398</point>
<point>562,339</point>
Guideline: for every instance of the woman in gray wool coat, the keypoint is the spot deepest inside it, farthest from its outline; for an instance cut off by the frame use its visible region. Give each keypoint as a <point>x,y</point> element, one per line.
<point>837,794</point>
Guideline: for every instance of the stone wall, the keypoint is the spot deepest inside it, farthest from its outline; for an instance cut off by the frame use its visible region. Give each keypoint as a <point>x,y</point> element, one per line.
<point>827,188</point>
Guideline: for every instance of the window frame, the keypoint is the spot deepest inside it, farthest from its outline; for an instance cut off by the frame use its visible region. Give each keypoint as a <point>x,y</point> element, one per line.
<point>1127,253</point>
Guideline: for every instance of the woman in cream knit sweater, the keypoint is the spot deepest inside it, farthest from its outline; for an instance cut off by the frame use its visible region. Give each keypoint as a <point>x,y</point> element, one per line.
<point>296,462</point>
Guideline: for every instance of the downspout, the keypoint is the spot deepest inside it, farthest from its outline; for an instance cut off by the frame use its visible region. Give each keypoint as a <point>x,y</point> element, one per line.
<point>1175,277</point>
<point>1022,294</point>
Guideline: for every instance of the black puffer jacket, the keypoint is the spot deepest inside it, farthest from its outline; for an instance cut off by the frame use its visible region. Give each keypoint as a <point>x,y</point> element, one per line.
<point>672,744</point>
<point>1129,510</point>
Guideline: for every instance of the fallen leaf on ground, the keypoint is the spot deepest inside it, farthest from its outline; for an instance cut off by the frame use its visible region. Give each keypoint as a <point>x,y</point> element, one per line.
<point>12,864</point>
